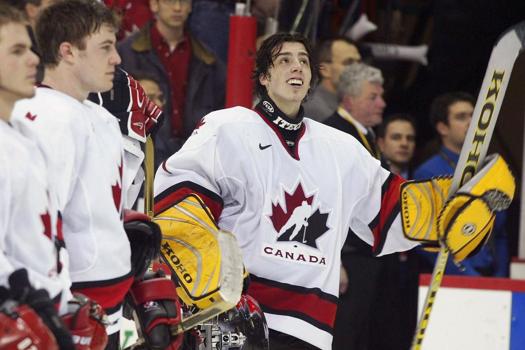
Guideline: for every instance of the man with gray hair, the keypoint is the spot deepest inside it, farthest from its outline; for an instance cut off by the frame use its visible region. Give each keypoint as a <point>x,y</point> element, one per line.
<point>360,91</point>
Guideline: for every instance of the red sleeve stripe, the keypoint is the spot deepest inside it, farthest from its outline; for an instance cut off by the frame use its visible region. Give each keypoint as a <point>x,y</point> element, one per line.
<point>178,192</point>
<point>308,304</point>
<point>108,293</point>
<point>387,213</point>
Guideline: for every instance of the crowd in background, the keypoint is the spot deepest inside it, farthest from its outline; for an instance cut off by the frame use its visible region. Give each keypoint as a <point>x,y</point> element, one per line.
<point>177,50</point>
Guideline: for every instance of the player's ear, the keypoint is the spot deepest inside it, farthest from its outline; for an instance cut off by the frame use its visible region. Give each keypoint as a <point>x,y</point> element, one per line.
<point>67,52</point>
<point>264,79</point>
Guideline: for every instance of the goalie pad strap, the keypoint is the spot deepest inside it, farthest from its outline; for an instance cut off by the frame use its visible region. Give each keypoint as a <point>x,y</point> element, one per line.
<point>153,289</point>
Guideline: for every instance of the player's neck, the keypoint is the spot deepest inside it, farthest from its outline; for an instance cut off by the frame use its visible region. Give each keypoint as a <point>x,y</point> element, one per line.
<point>6,106</point>
<point>61,80</point>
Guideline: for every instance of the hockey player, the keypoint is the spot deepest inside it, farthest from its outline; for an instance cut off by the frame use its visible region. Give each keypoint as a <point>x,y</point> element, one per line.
<point>248,170</point>
<point>33,263</point>
<point>84,147</point>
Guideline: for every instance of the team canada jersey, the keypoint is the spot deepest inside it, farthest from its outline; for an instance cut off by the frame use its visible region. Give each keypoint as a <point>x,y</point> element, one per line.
<point>84,144</point>
<point>30,228</point>
<point>289,209</point>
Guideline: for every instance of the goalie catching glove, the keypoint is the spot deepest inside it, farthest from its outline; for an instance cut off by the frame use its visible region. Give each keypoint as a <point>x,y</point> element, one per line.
<point>464,221</point>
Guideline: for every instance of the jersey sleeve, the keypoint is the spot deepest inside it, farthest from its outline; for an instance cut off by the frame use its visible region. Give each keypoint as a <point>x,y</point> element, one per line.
<point>376,215</point>
<point>194,169</point>
<point>5,266</point>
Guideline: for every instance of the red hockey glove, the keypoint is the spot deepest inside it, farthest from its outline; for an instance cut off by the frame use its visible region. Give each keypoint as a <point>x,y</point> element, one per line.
<point>87,321</point>
<point>144,238</point>
<point>156,306</point>
<point>22,328</point>
<point>39,300</point>
<point>138,115</point>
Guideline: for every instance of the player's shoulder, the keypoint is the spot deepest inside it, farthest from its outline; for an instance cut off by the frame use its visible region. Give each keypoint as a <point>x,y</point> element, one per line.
<point>227,120</point>
<point>50,105</point>
<point>322,132</point>
<point>14,147</point>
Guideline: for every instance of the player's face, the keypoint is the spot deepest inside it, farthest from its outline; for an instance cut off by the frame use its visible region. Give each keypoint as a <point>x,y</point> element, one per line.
<point>171,13</point>
<point>96,63</point>
<point>343,54</point>
<point>288,79</point>
<point>18,63</point>
<point>368,107</point>
<point>399,142</point>
<point>459,117</point>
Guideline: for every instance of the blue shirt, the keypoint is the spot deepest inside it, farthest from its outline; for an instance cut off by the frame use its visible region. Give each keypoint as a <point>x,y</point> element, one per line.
<point>492,257</point>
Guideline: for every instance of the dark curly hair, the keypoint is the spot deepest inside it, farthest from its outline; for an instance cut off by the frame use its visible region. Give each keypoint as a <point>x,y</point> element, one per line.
<point>270,48</point>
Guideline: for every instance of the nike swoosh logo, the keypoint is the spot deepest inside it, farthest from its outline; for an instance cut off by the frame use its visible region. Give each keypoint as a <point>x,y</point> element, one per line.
<point>261,147</point>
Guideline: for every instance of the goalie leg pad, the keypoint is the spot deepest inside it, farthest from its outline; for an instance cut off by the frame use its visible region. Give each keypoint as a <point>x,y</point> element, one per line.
<point>156,309</point>
<point>206,260</point>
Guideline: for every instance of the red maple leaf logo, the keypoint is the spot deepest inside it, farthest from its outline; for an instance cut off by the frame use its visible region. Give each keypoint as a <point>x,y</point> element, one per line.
<point>293,200</point>
<point>117,189</point>
<point>30,116</point>
<point>46,221</point>
<point>200,123</point>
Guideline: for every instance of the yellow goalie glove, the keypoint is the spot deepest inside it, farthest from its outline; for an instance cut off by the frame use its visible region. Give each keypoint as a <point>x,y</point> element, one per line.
<point>464,221</point>
<point>207,261</point>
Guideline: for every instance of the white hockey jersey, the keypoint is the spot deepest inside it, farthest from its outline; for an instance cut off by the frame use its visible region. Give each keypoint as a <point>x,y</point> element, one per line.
<point>84,145</point>
<point>30,228</point>
<point>290,211</point>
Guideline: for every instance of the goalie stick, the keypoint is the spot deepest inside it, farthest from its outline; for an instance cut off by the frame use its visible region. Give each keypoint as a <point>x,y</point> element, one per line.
<point>474,150</point>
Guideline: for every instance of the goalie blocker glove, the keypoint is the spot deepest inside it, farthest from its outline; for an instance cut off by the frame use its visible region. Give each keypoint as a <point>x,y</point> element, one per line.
<point>463,222</point>
<point>138,116</point>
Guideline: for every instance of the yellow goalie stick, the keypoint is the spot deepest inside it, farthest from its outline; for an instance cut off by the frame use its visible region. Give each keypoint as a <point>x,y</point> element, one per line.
<point>474,150</point>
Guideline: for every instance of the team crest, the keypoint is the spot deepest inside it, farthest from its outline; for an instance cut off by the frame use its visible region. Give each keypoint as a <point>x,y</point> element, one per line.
<point>299,219</point>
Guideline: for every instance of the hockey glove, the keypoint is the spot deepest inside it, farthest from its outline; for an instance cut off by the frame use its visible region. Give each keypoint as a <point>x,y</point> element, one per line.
<point>464,221</point>
<point>156,306</point>
<point>38,300</point>
<point>87,321</point>
<point>144,237</point>
<point>138,115</point>
<point>22,328</point>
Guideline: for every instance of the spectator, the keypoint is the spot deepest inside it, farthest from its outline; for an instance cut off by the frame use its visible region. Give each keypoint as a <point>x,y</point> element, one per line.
<point>333,56</point>
<point>396,139</point>
<point>210,23</point>
<point>360,91</point>
<point>192,79</point>
<point>450,115</point>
